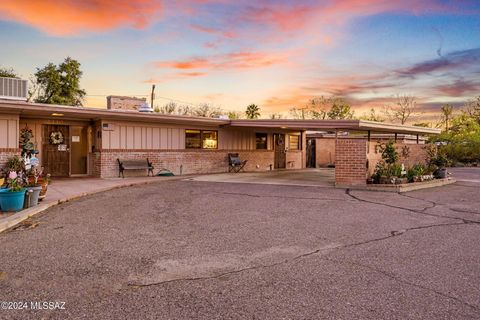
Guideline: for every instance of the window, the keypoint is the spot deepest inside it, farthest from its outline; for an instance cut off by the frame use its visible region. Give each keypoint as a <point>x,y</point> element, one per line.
<point>261,140</point>
<point>294,142</point>
<point>201,139</point>
<point>209,139</point>
<point>193,139</point>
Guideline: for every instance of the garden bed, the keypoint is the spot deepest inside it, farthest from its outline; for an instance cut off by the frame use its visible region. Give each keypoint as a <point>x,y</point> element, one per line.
<point>405,187</point>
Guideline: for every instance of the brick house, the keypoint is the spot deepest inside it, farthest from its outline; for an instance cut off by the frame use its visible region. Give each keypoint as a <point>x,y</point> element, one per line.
<point>93,139</point>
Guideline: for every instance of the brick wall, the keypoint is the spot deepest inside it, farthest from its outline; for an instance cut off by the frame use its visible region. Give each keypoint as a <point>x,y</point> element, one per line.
<point>324,151</point>
<point>417,153</point>
<point>105,164</point>
<point>294,159</point>
<point>350,162</point>
<point>6,153</point>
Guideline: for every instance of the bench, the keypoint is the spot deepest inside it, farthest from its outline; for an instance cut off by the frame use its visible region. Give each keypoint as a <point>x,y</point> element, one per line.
<point>134,165</point>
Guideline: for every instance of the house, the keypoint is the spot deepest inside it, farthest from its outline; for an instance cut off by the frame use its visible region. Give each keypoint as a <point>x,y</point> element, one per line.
<point>76,141</point>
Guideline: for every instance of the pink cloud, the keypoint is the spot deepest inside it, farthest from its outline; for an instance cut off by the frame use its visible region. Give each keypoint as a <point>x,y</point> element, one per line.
<point>70,17</point>
<point>235,60</point>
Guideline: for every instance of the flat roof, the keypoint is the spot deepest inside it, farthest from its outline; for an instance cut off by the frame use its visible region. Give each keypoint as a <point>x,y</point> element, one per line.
<point>326,125</point>
<point>32,110</point>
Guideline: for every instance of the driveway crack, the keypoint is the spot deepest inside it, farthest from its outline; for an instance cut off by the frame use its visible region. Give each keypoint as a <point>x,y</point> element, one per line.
<point>293,259</point>
<point>406,282</point>
<point>422,211</point>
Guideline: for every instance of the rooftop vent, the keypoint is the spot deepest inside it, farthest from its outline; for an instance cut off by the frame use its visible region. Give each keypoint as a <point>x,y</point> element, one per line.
<point>145,107</point>
<point>13,89</point>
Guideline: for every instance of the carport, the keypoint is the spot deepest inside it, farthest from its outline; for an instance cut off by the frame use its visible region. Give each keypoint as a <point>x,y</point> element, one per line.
<point>355,151</point>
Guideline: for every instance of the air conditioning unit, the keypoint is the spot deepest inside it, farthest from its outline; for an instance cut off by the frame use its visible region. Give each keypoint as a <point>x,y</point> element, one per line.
<point>13,89</point>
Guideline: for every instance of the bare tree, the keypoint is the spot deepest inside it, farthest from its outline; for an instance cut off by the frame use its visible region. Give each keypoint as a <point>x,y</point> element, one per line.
<point>207,110</point>
<point>405,107</point>
<point>323,108</point>
<point>169,108</point>
<point>372,115</point>
<point>472,109</point>
<point>276,116</point>
<point>447,112</point>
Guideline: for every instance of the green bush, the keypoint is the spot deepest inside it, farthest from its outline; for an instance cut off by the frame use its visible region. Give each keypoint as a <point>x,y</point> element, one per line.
<point>415,171</point>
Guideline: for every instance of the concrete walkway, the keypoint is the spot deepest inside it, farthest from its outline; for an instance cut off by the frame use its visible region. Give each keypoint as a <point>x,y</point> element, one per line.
<point>306,177</point>
<point>66,189</point>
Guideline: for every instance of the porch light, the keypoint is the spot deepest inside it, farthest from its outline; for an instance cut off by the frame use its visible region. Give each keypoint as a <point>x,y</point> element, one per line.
<point>57,114</point>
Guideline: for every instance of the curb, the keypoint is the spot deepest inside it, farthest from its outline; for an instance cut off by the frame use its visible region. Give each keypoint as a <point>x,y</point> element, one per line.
<point>13,220</point>
<point>399,188</point>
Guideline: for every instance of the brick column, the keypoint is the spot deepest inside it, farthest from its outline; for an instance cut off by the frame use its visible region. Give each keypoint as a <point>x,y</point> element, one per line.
<point>350,162</point>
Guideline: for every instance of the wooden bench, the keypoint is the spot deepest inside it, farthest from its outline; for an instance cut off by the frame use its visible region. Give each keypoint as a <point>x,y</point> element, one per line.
<point>134,165</point>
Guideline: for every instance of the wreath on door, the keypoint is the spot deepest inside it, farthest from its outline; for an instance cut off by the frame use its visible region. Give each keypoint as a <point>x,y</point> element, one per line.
<point>56,137</point>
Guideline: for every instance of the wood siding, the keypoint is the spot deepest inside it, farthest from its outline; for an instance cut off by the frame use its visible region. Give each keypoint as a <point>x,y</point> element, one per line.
<point>9,131</point>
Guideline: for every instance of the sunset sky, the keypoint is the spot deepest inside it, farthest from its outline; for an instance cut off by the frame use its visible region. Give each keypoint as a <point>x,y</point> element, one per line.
<point>277,54</point>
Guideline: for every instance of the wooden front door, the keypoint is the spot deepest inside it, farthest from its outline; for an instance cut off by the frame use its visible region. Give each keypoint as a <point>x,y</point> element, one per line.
<point>279,147</point>
<point>56,155</point>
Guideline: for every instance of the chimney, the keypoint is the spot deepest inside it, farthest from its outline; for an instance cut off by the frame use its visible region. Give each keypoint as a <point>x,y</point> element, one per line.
<point>124,103</point>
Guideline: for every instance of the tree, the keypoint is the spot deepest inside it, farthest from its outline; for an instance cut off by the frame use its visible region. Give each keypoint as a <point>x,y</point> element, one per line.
<point>276,116</point>
<point>253,112</point>
<point>8,73</point>
<point>324,108</point>
<point>372,115</point>
<point>60,84</point>
<point>472,109</point>
<point>169,108</point>
<point>340,110</point>
<point>405,107</point>
<point>232,115</point>
<point>207,110</point>
<point>422,124</point>
<point>447,111</point>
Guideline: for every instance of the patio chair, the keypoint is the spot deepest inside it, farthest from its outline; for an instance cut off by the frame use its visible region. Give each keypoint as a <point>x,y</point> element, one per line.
<point>234,163</point>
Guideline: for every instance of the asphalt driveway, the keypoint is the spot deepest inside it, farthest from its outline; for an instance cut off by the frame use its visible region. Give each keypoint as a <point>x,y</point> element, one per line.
<point>213,250</point>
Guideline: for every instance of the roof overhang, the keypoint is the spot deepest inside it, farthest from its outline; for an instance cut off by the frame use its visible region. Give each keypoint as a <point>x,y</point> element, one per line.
<point>48,111</point>
<point>329,125</point>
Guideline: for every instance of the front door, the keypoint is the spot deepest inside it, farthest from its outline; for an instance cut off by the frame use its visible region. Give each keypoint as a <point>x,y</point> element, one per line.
<point>79,149</point>
<point>279,147</point>
<point>56,150</point>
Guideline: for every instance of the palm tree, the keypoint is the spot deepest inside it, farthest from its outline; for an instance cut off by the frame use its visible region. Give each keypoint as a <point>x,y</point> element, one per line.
<point>253,112</point>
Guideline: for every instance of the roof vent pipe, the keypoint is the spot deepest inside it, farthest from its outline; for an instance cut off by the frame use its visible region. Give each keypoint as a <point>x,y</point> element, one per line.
<point>145,107</point>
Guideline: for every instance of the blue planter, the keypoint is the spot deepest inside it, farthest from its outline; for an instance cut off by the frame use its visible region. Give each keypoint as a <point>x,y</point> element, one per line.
<point>11,201</point>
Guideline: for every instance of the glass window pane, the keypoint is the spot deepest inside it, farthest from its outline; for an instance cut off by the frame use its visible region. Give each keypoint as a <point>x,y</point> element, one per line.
<point>261,140</point>
<point>294,142</point>
<point>209,139</point>
<point>193,139</point>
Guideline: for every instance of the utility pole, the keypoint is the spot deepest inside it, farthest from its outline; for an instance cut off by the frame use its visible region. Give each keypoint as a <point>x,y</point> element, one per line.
<point>152,96</point>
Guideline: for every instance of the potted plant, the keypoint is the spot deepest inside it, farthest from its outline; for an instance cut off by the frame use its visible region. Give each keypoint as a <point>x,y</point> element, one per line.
<point>12,198</point>
<point>33,187</point>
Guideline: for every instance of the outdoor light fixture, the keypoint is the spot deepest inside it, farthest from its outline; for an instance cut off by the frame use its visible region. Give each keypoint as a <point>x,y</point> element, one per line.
<point>57,114</point>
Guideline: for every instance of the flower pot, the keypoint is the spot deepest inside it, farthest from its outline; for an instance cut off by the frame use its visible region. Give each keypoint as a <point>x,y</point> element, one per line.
<point>440,173</point>
<point>12,201</point>
<point>44,184</point>
<point>31,196</point>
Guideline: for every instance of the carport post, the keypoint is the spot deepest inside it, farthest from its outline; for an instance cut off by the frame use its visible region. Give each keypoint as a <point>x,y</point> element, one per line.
<point>368,143</point>
<point>417,139</point>
<point>396,135</point>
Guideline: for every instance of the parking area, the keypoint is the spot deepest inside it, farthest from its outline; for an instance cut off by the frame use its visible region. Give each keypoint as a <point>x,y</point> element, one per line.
<point>320,177</point>
<point>194,249</point>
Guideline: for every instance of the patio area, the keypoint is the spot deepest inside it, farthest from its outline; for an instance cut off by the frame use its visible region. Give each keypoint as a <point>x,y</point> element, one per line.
<point>322,177</point>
